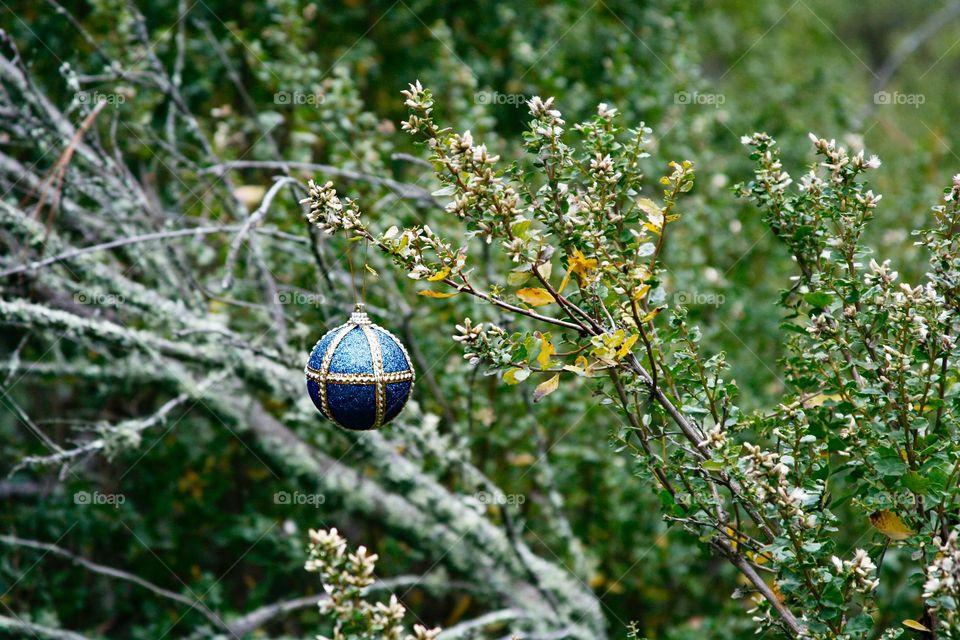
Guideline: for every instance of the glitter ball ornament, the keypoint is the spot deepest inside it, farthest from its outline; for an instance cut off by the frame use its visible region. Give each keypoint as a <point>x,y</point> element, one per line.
<point>359,375</point>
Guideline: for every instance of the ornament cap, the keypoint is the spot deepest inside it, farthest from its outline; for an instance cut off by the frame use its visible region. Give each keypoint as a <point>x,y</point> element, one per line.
<point>359,316</point>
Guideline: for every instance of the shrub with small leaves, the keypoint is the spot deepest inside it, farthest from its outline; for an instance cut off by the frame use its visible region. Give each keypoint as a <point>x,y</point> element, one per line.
<point>869,416</point>
<point>346,575</point>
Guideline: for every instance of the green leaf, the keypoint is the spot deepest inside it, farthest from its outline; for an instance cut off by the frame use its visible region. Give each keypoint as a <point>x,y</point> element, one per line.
<point>520,228</point>
<point>936,480</point>
<point>916,483</point>
<point>890,463</point>
<point>694,410</point>
<point>818,299</point>
<point>516,278</point>
<point>448,190</point>
<point>862,623</point>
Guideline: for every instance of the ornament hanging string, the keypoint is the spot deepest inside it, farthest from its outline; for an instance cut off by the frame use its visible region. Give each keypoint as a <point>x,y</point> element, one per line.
<point>366,268</point>
<point>361,295</point>
<point>353,275</point>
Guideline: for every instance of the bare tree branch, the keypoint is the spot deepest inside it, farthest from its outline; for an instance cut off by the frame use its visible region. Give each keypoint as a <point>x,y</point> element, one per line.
<point>112,572</point>
<point>37,630</point>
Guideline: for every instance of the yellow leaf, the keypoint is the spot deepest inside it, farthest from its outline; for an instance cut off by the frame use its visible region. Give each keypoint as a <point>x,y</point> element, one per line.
<point>521,459</point>
<point>440,275</point>
<point>821,398</point>
<point>436,294</point>
<point>777,592</point>
<point>516,375</point>
<point>371,271</point>
<point>577,263</point>
<point>889,524</point>
<point>535,297</point>
<point>581,264</point>
<point>546,350</point>
<point>462,605</point>
<point>581,367</point>
<point>613,340</point>
<point>616,587</point>
<point>546,388</point>
<point>626,346</point>
<point>653,314</point>
<point>734,538</point>
<point>641,292</point>
<point>913,624</point>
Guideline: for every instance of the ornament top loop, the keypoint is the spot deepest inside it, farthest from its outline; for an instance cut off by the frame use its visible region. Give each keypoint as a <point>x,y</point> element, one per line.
<point>359,316</point>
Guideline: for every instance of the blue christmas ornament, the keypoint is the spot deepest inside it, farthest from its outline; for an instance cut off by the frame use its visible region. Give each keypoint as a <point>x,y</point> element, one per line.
<point>359,375</point>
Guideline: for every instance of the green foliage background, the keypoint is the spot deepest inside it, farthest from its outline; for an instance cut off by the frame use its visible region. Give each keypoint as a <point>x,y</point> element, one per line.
<point>201,495</point>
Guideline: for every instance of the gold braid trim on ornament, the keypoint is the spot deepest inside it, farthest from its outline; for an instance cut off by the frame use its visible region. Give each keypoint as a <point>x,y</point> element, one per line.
<point>325,370</point>
<point>380,388</point>
<point>359,378</point>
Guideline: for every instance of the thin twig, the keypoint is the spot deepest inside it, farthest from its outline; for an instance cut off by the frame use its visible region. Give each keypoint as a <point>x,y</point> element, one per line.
<point>253,219</point>
<point>402,189</point>
<point>121,242</point>
<point>112,572</point>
